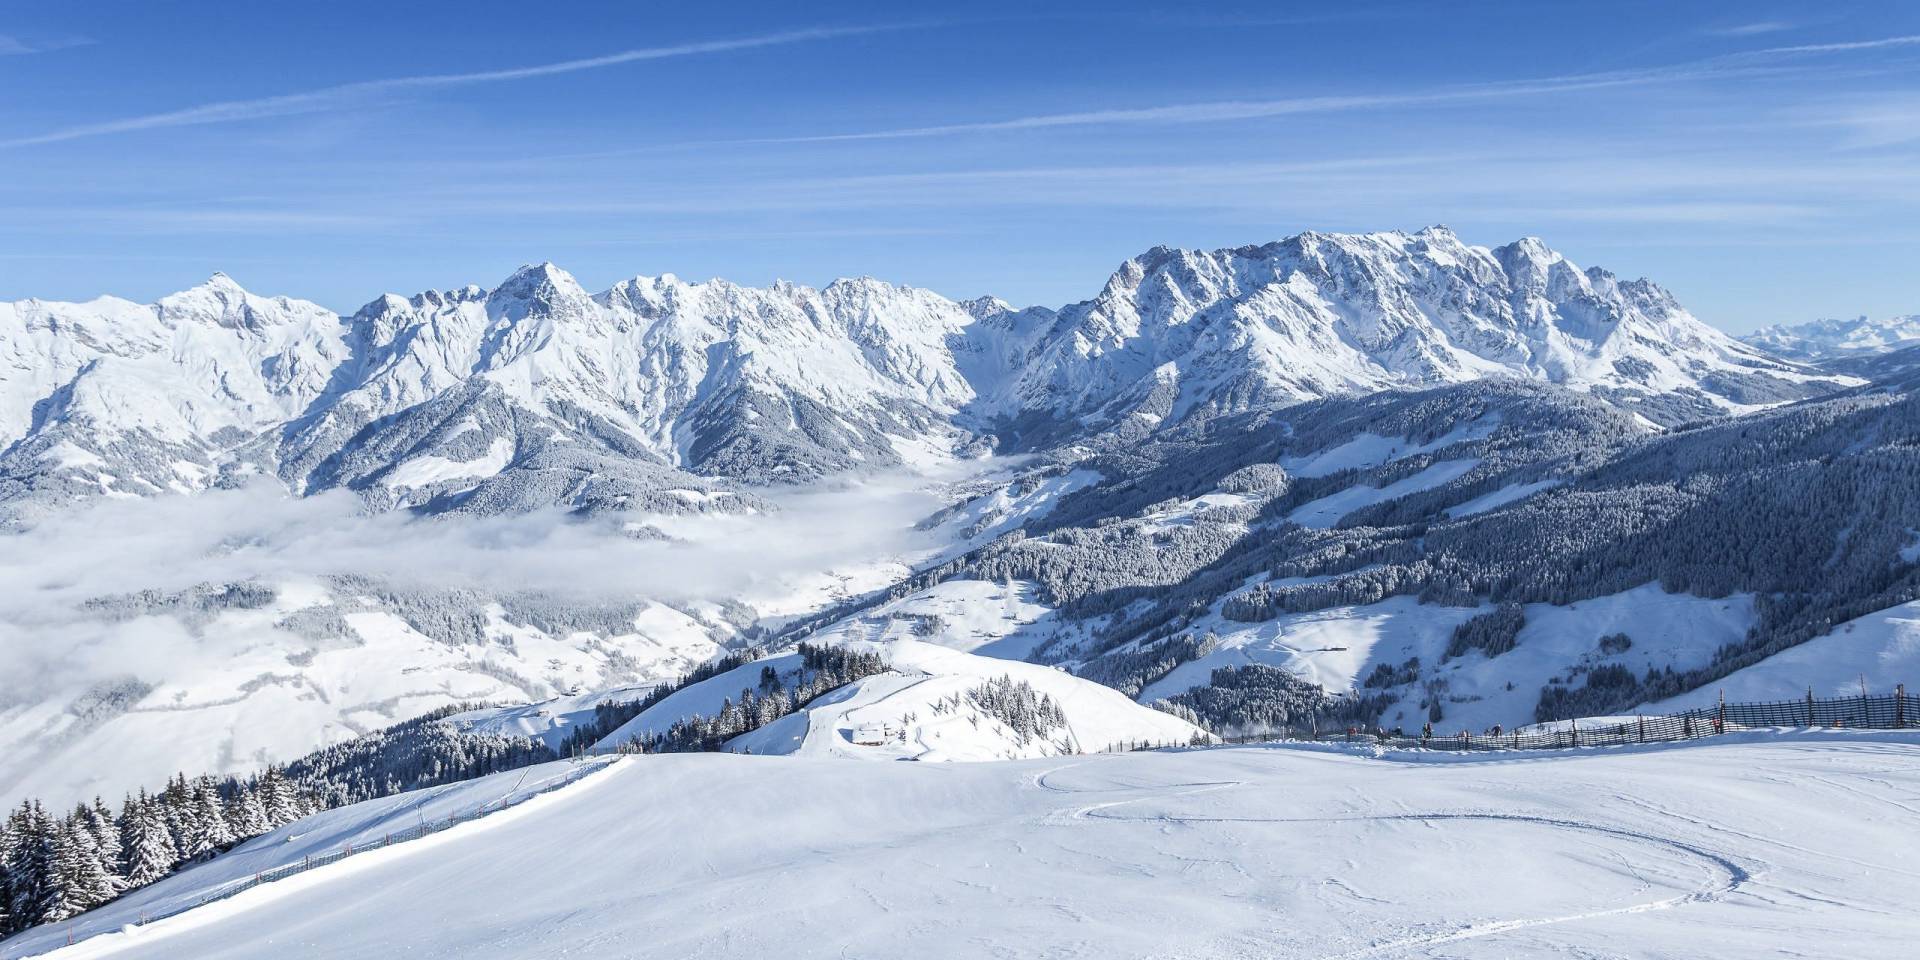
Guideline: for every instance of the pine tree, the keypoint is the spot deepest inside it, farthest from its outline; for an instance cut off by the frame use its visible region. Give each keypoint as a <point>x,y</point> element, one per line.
<point>245,816</point>
<point>205,822</point>
<point>106,843</point>
<point>176,802</point>
<point>75,882</point>
<point>150,849</point>
<point>29,864</point>
<point>278,798</point>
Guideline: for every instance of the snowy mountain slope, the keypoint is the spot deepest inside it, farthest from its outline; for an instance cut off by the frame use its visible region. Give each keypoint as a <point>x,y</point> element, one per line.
<point>548,721</point>
<point>114,398</point>
<point>1494,552</point>
<point>921,708</point>
<point>317,835</point>
<point>528,395</point>
<point>783,383</point>
<point>1356,648</point>
<point>930,715</point>
<point>1896,371</point>
<point>1832,339</point>
<point>1235,852</point>
<point>1880,650</point>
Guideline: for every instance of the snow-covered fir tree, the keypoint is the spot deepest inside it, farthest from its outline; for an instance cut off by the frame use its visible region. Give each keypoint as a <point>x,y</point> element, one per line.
<point>150,848</point>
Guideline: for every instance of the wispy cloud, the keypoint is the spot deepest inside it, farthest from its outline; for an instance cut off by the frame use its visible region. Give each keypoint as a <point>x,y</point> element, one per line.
<point>1736,64</point>
<point>1849,46</point>
<point>347,94</point>
<point>1226,110</point>
<point>1752,29</point>
<point>1870,122</point>
<point>14,46</point>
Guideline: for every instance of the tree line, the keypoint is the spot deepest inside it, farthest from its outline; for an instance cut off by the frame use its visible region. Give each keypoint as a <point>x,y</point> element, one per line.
<point>57,866</point>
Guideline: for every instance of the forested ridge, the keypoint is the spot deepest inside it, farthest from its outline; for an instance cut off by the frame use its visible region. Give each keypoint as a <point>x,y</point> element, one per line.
<point>1810,508</point>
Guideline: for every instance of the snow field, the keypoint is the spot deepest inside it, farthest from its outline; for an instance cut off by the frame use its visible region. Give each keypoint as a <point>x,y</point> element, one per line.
<point>1338,647</point>
<point>1776,845</point>
<point>1327,511</point>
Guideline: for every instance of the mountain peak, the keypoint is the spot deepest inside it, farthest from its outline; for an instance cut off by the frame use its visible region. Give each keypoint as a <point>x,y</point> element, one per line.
<point>218,300</point>
<point>217,284</point>
<point>537,273</point>
<point>542,282</point>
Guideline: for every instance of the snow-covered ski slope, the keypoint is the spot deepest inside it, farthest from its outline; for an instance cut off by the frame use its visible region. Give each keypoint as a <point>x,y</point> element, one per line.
<point>352,830</point>
<point>1756,845</point>
<point>919,709</point>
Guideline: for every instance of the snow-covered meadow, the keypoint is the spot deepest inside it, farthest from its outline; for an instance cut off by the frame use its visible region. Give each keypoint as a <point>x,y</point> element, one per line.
<point>1756,845</point>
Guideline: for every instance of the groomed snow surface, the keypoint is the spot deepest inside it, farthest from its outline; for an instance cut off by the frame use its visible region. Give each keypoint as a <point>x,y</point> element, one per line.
<point>1759,845</point>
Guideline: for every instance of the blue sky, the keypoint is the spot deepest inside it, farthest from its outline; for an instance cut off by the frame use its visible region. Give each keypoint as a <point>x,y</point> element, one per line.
<point>1760,159</point>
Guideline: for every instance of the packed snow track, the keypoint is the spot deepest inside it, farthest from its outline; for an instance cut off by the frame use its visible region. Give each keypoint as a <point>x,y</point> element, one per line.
<point>1755,845</point>
<point>1732,874</point>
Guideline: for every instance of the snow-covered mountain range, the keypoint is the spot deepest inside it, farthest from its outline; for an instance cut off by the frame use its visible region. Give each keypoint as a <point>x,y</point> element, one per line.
<point>537,393</point>
<point>1834,339</point>
<point>1335,455</point>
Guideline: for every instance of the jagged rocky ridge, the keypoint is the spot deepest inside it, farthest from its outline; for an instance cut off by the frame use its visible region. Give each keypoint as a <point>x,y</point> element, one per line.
<point>658,391</point>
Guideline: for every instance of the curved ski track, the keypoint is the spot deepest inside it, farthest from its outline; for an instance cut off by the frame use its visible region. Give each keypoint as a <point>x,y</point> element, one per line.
<point>1734,875</point>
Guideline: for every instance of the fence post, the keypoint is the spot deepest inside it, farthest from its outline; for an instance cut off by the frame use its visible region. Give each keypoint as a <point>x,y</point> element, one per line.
<point>1720,714</point>
<point>1574,725</point>
<point>1899,706</point>
<point>1809,706</point>
<point>1643,728</point>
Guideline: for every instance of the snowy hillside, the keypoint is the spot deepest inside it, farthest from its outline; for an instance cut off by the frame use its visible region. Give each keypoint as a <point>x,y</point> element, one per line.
<point>1876,651</point>
<point>932,704</point>
<point>1831,339</point>
<point>1493,553</point>
<point>1228,852</point>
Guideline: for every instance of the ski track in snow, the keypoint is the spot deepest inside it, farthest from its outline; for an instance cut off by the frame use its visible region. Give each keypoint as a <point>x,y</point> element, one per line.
<point>1733,874</point>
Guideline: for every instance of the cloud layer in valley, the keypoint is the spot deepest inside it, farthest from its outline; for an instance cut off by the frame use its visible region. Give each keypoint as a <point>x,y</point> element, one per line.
<point>50,643</point>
